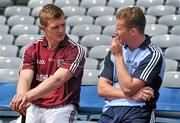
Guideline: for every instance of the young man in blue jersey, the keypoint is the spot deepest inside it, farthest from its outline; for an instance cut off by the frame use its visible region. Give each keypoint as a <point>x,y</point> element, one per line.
<point>132,73</point>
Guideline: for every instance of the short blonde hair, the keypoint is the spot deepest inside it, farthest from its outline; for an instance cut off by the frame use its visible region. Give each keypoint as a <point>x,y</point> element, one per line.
<point>133,18</point>
<point>49,11</point>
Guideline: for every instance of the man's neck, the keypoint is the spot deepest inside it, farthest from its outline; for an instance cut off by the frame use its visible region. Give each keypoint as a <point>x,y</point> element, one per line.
<point>136,42</point>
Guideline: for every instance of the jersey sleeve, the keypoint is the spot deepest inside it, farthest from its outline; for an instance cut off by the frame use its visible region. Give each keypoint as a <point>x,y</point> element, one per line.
<point>28,58</point>
<point>75,61</point>
<point>107,70</point>
<point>149,68</point>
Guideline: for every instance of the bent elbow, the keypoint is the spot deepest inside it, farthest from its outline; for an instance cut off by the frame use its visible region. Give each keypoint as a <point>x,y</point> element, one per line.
<point>100,91</point>
<point>127,92</point>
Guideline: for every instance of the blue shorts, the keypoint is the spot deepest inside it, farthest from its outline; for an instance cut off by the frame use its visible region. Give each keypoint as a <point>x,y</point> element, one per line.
<point>128,114</point>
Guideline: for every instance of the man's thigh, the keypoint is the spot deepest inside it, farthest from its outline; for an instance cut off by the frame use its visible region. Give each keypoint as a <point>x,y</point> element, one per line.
<point>65,114</point>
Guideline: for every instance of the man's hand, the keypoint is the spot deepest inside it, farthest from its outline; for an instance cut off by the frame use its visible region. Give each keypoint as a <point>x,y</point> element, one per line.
<point>116,46</point>
<point>15,104</point>
<point>144,94</point>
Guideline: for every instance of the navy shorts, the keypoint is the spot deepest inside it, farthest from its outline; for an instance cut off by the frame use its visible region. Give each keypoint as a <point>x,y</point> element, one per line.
<point>127,114</point>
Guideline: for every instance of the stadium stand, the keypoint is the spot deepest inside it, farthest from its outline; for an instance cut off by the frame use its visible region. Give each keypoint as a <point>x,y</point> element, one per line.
<point>99,52</point>
<point>92,3</point>
<point>78,20</point>
<point>20,19</point>
<point>169,20</point>
<point>91,64</point>
<point>95,40</point>
<point>16,10</point>
<point>6,38</point>
<point>94,19</point>
<point>175,30</point>
<point>86,29</point>
<point>10,62</point>
<point>100,11</point>
<point>4,29</point>
<point>105,20</point>
<point>62,3</point>
<point>36,3</point>
<point>120,3</point>
<point>90,77</point>
<point>156,29</point>
<point>2,19</point>
<point>73,10</point>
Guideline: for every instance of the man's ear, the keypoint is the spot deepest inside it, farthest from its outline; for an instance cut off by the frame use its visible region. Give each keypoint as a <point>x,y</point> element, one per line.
<point>133,31</point>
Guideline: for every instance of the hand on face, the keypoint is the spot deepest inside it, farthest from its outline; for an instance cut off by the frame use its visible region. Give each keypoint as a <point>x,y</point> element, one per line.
<point>116,46</point>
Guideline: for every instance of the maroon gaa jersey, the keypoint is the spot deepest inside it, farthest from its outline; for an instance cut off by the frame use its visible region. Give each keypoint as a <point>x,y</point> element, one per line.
<point>44,62</point>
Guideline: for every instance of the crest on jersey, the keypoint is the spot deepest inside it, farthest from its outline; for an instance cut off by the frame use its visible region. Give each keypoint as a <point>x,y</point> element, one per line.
<point>59,62</point>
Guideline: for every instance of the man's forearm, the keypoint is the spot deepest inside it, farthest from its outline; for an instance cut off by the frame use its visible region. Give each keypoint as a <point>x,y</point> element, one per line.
<point>22,86</point>
<point>44,88</point>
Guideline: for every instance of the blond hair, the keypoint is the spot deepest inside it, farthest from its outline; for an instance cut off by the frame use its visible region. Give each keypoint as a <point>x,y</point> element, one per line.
<point>133,18</point>
<point>49,11</point>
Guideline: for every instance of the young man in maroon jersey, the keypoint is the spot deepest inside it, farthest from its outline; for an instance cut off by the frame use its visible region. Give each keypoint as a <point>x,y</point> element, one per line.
<point>51,73</point>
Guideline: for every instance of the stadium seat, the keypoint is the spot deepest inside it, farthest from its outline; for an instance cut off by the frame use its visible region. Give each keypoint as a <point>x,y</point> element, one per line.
<point>20,19</point>
<point>73,10</point>
<point>4,29</point>
<point>175,3</point>
<point>178,11</point>
<point>10,62</point>
<point>20,29</point>
<point>109,30</point>
<point>85,29</point>
<point>8,75</point>
<point>78,19</point>
<point>175,30</point>
<point>167,120</point>
<point>99,52</point>
<point>62,3</point>
<point>120,3</point>
<point>100,11</point>
<point>171,65</point>
<point>92,3</point>
<point>8,50</point>
<point>156,29</point>
<point>165,41</point>
<point>2,20</point>
<point>36,3</point>
<point>7,92</point>
<point>91,64</point>
<point>90,77</point>
<point>161,10</point>
<point>150,19</point>
<point>149,3</point>
<point>6,39</point>
<point>105,20</point>
<point>173,52</point>
<point>37,22</point>
<point>169,20</point>
<point>74,38</point>
<point>171,79</point>
<point>25,39</point>
<point>35,11</point>
<point>5,3</point>
<point>95,39</point>
<point>16,10</point>
<point>21,51</point>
